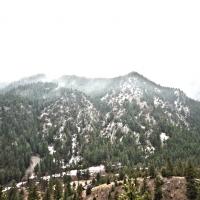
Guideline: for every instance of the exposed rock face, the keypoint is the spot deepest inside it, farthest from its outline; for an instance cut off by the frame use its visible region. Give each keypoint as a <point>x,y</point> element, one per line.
<point>173,188</point>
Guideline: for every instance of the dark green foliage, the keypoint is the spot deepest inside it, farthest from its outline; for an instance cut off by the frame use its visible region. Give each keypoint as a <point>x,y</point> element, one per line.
<point>121,175</point>
<point>1,192</point>
<point>13,193</point>
<point>152,171</point>
<point>49,191</point>
<point>108,180</point>
<point>192,191</point>
<point>168,170</point>
<point>67,179</point>
<point>88,190</point>
<point>144,186</point>
<point>98,177</point>
<point>158,188</point>
<point>58,192</point>
<point>22,136</point>
<point>33,193</point>
<point>132,192</point>
<point>79,190</point>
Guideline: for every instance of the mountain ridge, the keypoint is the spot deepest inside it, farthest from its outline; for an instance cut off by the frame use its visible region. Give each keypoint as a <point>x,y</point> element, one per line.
<point>81,122</point>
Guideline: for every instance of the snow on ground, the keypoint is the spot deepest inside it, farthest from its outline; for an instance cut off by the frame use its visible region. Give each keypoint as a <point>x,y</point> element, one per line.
<point>159,102</point>
<point>92,170</point>
<point>142,127</point>
<point>97,169</point>
<point>163,137</point>
<point>20,184</point>
<point>51,150</point>
<point>74,159</point>
<point>6,189</point>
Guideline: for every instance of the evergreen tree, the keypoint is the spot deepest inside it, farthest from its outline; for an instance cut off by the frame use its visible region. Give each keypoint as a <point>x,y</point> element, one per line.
<point>191,184</point>
<point>98,177</point>
<point>198,190</point>
<point>33,193</point>
<point>144,185</point>
<point>93,182</point>
<point>58,193</point>
<point>48,194</point>
<point>88,190</point>
<point>152,171</point>
<point>179,169</point>
<point>158,188</point>
<point>1,192</point>
<point>79,191</point>
<point>3,196</point>
<point>131,192</point>
<point>108,180</point>
<point>169,168</point>
<point>67,179</point>
<point>109,196</point>
<point>21,194</point>
<point>13,193</point>
<point>66,194</point>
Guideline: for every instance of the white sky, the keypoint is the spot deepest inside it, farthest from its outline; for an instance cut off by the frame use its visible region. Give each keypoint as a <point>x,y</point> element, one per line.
<point>104,38</point>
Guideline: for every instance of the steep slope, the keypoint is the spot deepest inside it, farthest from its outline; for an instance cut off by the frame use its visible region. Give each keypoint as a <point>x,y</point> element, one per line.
<point>69,120</point>
<point>18,136</point>
<point>76,121</point>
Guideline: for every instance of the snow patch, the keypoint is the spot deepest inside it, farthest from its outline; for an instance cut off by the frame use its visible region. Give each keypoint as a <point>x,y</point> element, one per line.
<point>163,137</point>
<point>51,150</point>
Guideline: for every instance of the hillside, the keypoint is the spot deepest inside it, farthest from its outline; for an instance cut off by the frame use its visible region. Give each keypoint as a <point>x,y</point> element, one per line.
<point>79,122</point>
<point>172,188</point>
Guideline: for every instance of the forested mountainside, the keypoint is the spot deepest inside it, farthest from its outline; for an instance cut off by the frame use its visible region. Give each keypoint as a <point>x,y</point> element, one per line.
<point>78,122</point>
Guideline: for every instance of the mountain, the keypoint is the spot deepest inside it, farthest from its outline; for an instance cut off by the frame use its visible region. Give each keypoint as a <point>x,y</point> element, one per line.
<point>28,80</point>
<point>78,122</point>
<point>3,85</point>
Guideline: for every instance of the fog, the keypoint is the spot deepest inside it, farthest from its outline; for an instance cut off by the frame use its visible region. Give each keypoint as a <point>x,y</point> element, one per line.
<point>102,39</point>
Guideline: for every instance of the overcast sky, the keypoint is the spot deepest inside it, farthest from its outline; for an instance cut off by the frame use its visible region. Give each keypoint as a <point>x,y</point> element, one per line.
<point>104,38</point>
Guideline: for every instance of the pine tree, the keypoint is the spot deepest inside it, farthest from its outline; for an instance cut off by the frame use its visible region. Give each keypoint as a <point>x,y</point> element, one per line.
<point>48,194</point>
<point>79,191</point>
<point>66,194</point>
<point>13,193</point>
<point>179,169</point>
<point>108,180</point>
<point>152,172</point>
<point>3,196</point>
<point>98,177</point>
<point>88,190</point>
<point>131,192</point>
<point>144,185</point>
<point>1,192</point>
<point>21,195</point>
<point>58,193</point>
<point>109,196</point>
<point>33,193</point>
<point>191,184</point>
<point>198,190</point>
<point>49,190</point>
<point>87,175</point>
<point>158,188</point>
<point>67,179</point>
<point>69,189</point>
<point>93,182</point>
<point>169,168</point>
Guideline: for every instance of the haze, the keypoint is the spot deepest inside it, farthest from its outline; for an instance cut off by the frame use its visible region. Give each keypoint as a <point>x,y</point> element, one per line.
<point>159,39</point>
